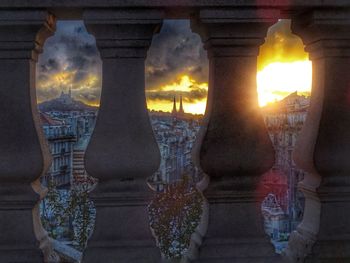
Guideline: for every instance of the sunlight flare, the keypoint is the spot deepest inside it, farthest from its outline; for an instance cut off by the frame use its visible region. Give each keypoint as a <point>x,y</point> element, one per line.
<point>161,98</point>
<point>277,80</point>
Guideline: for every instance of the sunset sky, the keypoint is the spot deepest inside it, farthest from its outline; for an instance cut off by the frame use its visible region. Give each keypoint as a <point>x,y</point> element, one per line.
<point>176,64</point>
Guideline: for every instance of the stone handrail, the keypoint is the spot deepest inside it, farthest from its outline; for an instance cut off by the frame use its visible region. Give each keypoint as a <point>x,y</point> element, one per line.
<point>233,149</point>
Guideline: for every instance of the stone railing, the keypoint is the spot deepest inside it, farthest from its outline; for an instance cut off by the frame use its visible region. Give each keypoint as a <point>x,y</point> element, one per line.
<point>66,253</point>
<point>233,148</point>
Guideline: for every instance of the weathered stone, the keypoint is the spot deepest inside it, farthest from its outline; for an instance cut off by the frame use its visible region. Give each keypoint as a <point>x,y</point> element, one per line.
<point>288,6</point>
<point>326,34</point>
<point>235,146</point>
<point>123,151</point>
<point>24,156</point>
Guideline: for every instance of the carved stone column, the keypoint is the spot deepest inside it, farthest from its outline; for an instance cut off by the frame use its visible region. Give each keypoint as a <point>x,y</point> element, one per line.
<point>123,151</point>
<point>326,34</point>
<point>23,155</point>
<point>235,146</point>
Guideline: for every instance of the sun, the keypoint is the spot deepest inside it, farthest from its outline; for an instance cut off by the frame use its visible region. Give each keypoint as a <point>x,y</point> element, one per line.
<point>277,80</point>
<point>274,82</point>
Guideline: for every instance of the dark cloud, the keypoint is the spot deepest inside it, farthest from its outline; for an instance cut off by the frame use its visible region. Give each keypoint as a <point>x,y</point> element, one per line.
<point>50,92</point>
<point>197,94</point>
<point>51,65</point>
<point>194,94</point>
<point>42,78</point>
<point>80,76</point>
<point>72,51</point>
<point>175,50</point>
<point>92,95</point>
<point>188,96</point>
<point>78,62</point>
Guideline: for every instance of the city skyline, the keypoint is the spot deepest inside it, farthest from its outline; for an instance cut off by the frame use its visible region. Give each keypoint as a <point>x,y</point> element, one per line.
<point>176,65</point>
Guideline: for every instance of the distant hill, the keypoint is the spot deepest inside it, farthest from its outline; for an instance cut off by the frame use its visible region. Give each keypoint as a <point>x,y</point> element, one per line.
<point>64,103</point>
<point>290,103</point>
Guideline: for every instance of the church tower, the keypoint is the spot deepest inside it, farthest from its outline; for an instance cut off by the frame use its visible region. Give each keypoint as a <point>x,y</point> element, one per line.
<point>174,111</point>
<point>181,110</point>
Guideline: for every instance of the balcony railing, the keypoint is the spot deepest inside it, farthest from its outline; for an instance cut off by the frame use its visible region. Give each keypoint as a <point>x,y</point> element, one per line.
<point>233,148</point>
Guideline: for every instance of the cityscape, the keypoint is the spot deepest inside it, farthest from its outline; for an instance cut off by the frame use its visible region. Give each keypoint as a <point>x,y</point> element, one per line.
<point>284,204</point>
<point>68,125</point>
<point>176,73</point>
<point>148,131</point>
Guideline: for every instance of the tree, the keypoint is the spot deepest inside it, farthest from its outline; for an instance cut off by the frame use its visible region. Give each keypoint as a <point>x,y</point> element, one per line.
<point>69,211</point>
<point>53,212</point>
<point>83,214</point>
<point>174,215</point>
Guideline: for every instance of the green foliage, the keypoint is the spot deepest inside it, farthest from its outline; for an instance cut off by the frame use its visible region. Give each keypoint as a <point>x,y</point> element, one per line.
<point>83,214</point>
<point>174,215</point>
<point>60,208</point>
<point>53,210</point>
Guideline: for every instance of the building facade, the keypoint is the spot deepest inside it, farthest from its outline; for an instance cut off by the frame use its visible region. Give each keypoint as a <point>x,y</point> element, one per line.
<point>175,133</point>
<point>284,120</point>
<point>68,130</point>
<point>61,139</point>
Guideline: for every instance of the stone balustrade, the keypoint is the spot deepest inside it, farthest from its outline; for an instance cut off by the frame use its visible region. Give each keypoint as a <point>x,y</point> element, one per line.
<point>233,147</point>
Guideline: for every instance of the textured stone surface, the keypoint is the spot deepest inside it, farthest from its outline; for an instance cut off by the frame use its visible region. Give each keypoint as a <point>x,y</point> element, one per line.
<point>235,147</point>
<point>69,9</point>
<point>23,156</point>
<point>326,34</point>
<point>123,151</point>
<point>177,3</point>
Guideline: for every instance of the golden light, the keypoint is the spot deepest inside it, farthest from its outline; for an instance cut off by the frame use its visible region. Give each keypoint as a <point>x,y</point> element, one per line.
<point>283,65</point>
<point>196,108</point>
<point>276,80</point>
<point>64,78</point>
<point>166,106</point>
<point>183,85</point>
<point>283,68</point>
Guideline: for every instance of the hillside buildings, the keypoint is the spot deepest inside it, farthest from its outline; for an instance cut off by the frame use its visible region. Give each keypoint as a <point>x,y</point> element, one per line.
<point>283,206</point>
<point>68,132</point>
<point>175,133</point>
<point>68,128</point>
<point>61,139</point>
<point>65,103</point>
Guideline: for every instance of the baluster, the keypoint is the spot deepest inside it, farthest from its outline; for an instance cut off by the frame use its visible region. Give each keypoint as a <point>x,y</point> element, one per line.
<point>24,156</point>
<point>324,146</point>
<point>235,146</point>
<point>123,151</point>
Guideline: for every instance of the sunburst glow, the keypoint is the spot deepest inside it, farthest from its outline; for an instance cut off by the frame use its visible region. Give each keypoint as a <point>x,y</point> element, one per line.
<point>184,85</point>
<point>277,80</point>
<point>274,82</point>
<point>158,98</point>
